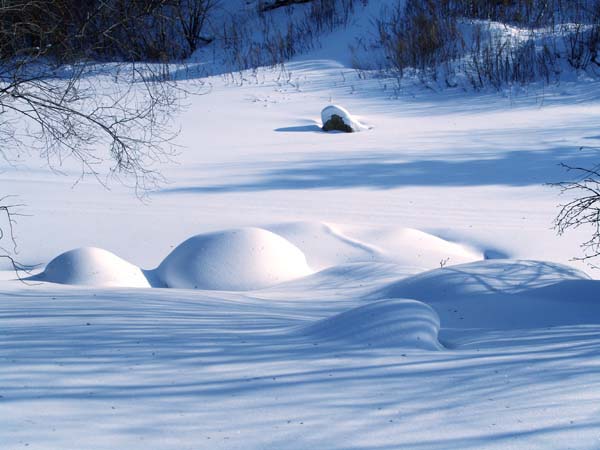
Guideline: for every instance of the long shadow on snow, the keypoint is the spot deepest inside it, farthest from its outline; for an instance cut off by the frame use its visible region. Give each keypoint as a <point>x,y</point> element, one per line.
<point>387,171</point>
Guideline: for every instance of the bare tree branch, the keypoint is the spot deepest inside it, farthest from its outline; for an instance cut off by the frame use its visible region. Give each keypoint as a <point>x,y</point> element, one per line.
<point>90,83</point>
<point>583,210</point>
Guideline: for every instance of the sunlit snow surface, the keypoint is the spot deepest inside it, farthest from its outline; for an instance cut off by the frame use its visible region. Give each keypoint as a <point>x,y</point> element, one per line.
<point>404,289</point>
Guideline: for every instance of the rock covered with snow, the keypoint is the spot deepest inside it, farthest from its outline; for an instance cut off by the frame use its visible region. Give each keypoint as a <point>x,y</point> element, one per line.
<point>397,323</point>
<point>234,260</point>
<point>336,118</point>
<point>91,266</point>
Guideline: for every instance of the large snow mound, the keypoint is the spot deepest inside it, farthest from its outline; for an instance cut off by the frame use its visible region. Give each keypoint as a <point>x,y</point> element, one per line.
<point>484,278</point>
<point>397,323</point>
<point>91,266</point>
<point>234,260</point>
<point>502,294</point>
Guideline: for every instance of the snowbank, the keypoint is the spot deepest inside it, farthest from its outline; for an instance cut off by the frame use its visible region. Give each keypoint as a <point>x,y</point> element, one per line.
<point>236,260</point>
<point>388,323</point>
<point>91,266</point>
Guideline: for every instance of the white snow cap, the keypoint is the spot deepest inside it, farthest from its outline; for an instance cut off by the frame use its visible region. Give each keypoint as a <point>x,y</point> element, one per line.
<point>235,260</point>
<point>329,111</point>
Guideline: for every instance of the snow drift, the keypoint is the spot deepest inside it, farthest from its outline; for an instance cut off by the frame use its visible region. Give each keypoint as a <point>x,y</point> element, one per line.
<point>397,323</point>
<point>412,247</point>
<point>234,260</point>
<point>484,278</point>
<point>327,245</point>
<point>323,245</point>
<point>91,266</point>
<point>502,294</point>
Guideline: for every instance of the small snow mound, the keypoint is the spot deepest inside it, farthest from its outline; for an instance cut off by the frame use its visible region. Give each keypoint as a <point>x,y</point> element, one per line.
<point>397,323</point>
<point>235,260</point>
<point>91,266</point>
<point>336,118</point>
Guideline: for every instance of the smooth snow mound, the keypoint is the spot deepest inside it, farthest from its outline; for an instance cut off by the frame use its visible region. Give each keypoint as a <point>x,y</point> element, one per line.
<point>323,246</point>
<point>412,247</point>
<point>235,260</point>
<point>397,323</point>
<point>502,294</point>
<point>91,266</point>
<point>490,277</point>
<point>328,245</point>
<point>329,111</point>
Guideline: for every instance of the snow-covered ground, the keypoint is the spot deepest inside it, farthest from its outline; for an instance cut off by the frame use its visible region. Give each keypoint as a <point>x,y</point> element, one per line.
<point>426,301</point>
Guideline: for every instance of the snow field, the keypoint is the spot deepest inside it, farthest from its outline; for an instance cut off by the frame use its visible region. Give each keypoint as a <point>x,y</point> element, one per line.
<point>334,325</point>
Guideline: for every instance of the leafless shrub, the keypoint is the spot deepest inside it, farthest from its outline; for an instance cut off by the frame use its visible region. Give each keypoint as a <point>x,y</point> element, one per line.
<point>504,61</point>
<point>420,36</point>
<point>280,34</point>
<point>463,37</point>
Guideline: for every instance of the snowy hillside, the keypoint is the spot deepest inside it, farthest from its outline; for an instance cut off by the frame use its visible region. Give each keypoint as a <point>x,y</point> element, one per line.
<point>290,288</point>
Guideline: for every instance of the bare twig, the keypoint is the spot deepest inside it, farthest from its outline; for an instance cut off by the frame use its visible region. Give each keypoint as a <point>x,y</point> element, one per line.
<point>583,210</point>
